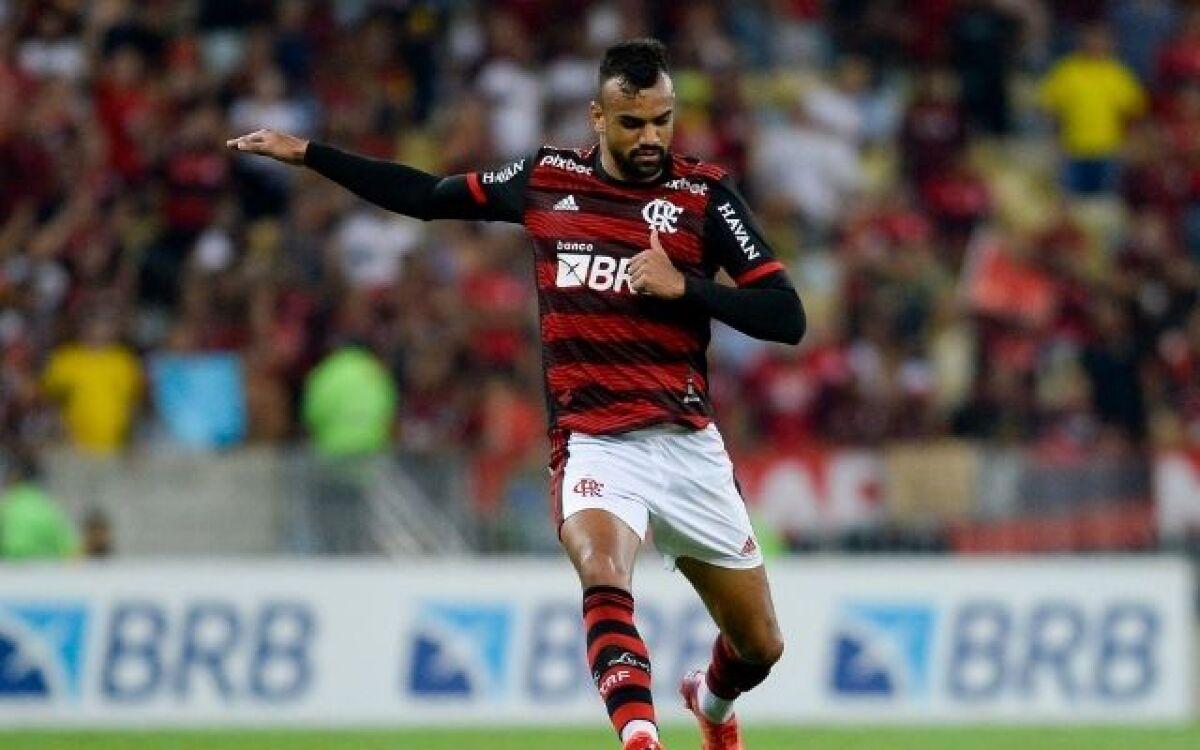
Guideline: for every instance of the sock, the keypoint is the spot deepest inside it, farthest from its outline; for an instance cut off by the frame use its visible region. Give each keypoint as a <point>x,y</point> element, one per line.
<point>619,660</point>
<point>638,725</point>
<point>728,677</point>
<point>717,709</point>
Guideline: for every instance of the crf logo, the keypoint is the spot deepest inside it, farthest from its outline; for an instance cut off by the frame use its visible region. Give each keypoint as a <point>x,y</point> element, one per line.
<point>661,214</point>
<point>610,682</point>
<point>600,272</point>
<point>587,487</point>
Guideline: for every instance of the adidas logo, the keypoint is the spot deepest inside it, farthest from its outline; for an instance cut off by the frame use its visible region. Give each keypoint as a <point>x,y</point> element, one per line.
<point>750,546</point>
<point>567,204</point>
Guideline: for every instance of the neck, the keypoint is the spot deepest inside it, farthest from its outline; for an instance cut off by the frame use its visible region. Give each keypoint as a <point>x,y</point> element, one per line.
<point>612,169</point>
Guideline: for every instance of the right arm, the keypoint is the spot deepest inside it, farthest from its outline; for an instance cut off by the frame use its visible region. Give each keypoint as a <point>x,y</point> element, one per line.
<point>491,196</point>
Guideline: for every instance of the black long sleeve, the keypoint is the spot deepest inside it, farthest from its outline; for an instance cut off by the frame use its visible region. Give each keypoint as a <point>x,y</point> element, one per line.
<point>396,187</point>
<point>412,192</point>
<point>769,309</point>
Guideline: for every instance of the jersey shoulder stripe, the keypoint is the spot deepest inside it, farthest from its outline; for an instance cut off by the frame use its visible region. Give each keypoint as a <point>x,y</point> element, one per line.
<point>689,166</point>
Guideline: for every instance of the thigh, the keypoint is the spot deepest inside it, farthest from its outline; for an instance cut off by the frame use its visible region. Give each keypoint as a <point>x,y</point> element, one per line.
<point>602,547</point>
<point>740,603</point>
<point>600,503</point>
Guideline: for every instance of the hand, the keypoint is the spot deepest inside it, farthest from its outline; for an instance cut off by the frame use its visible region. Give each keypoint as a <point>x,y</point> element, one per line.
<point>651,272</point>
<point>279,146</point>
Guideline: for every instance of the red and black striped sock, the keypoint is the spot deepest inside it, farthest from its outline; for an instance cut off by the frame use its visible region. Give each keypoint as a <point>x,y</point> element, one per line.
<point>617,654</point>
<point>729,675</point>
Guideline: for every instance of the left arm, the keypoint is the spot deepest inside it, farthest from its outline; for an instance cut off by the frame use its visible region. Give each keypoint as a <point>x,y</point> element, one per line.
<point>764,304</point>
<point>769,309</point>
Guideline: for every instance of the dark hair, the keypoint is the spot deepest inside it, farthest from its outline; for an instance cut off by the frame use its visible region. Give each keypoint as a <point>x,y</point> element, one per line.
<point>635,63</point>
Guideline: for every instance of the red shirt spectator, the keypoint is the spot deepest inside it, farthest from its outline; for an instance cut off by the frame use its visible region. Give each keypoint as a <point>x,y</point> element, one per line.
<point>127,111</point>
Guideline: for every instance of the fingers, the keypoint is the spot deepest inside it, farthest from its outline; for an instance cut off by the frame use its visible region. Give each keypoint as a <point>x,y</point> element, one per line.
<point>250,142</point>
<point>637,282</point>
<point>654,243</point>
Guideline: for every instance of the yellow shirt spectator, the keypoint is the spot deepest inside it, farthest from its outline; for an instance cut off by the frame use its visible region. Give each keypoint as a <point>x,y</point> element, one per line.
<point>99,387</point>
<point>1093,98</point>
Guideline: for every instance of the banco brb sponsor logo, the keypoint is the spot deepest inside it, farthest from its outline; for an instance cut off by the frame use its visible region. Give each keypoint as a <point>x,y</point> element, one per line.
<point>1028,651</point>
<point>882,650</point>
<point>41,650</point>
<point>459,651</point>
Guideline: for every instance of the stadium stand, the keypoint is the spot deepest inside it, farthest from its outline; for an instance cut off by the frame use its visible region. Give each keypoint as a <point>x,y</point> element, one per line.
<point>994,290</point>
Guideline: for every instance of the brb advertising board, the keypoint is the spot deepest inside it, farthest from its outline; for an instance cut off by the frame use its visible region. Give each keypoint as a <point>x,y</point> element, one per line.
<point>423,642</point>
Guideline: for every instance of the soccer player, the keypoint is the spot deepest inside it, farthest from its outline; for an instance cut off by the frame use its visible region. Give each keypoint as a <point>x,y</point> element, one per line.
<point>627,238</point>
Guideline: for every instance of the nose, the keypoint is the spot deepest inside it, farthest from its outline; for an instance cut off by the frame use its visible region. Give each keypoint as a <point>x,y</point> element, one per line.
<point>649,136</point>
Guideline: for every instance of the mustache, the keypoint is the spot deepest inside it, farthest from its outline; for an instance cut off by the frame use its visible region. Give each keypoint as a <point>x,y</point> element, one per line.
<point>647,151</point>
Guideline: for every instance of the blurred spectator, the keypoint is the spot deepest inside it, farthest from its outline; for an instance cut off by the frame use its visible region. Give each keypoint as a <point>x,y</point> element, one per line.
<point>98,381</point>
<point>1113,362</point>
<point>512,90</point>
<point>957,199</point>
<point>952,288</point>
<point>1141,27</point>
<point>1093,97</point>
<point>838,107</point>
<point>506,427</point>
<point>934,129</point>
<point>1179,57</point>
<point>201,398</point>
<point>128,109</point>
<point>53,47</point>
<point>97,535</point>
<point>349,402</point>
<point>809,167</point>
<point>984,45</point>
<point>32,526</point>
<point>371,246</point>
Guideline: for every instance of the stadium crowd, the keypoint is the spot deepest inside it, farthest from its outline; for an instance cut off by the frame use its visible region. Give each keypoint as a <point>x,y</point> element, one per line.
<point>991,208</point>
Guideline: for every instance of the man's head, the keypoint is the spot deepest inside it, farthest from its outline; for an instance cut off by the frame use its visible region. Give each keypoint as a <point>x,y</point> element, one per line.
<point>1095,40</point>
<point>634,109</point>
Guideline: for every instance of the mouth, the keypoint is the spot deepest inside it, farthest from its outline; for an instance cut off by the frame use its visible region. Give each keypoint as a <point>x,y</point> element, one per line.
<point>647,156</point>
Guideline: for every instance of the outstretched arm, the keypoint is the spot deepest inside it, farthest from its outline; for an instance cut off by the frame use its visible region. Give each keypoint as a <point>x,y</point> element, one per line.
<point>396,187</point>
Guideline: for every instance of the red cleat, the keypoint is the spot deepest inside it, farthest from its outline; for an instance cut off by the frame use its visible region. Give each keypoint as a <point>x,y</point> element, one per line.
<point>642,741</point>
<point>714,736</point>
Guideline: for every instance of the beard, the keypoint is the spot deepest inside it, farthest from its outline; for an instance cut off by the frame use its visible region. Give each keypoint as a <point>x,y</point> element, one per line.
<point>634,164</point>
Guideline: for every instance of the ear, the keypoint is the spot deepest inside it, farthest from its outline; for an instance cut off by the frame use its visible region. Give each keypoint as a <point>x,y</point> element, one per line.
<point>597,115</point>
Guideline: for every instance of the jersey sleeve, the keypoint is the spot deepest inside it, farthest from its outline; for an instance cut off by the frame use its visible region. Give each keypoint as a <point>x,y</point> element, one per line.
<point>499,194</point>
<point>733,237</point>
<point>485,196</point>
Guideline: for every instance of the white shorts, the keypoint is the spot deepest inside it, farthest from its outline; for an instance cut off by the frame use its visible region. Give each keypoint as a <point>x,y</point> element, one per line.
<point>675,481</point>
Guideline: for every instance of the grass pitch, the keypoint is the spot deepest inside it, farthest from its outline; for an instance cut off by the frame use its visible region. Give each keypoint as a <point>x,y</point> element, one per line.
<point>976,738</point>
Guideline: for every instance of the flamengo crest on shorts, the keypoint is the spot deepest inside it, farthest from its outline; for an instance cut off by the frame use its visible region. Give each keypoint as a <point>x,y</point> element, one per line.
<point>588,487</point>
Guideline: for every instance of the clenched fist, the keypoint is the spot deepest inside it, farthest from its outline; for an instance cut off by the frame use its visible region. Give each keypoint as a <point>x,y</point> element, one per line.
<point>279,146</point>
<point>651,272</point>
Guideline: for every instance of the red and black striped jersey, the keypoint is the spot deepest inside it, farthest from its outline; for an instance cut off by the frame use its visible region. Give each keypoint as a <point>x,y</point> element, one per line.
<point>615,360</point>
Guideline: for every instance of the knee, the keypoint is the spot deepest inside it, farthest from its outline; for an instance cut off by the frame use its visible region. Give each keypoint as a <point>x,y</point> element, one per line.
<point>765,649</point>
<point>602,569</point>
